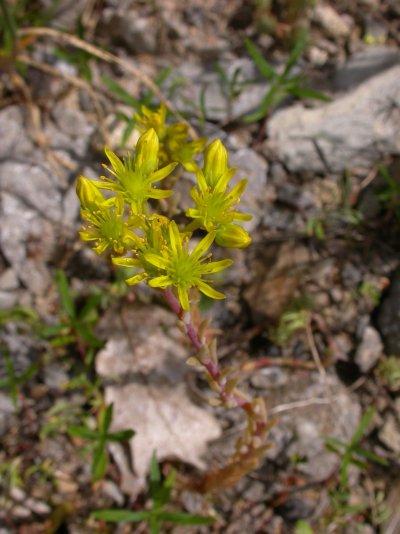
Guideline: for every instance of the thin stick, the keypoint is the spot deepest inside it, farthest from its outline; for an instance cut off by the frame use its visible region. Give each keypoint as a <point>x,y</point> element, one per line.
<point>314,350</point>
<point>109,58</point>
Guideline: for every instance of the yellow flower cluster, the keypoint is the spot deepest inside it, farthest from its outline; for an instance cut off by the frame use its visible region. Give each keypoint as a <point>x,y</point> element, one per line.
<point>136,236</point>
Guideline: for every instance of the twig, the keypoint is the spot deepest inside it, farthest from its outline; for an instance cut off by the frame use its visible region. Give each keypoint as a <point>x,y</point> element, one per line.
<point>314,350</point>
<point>109,58</point>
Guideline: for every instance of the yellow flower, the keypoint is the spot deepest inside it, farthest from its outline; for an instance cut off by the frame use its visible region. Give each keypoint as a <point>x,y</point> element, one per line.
<point>232,236</point>
<point>174,144</point>
<point>214,204</point>
<point>108,228</point>
<point>183,269</point>
<point>134,178</point>
<point>215,169</point>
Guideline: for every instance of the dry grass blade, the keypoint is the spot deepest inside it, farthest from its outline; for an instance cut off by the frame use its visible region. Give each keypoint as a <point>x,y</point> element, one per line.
<point>36,125</point>
<point>109,58</point>
<point>76,82</point>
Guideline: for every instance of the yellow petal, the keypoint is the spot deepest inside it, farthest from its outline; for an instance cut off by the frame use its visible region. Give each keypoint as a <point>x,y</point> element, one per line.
<point>160,281</point>
<point>156,260</point>
<point>202,247</point>
<point>183,298</point>
<point>216,266</point>
<point>136,279</point>
<point>209,291</point>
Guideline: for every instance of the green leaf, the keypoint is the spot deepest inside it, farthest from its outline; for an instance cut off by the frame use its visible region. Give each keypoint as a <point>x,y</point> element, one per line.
<point>165,490</point>
<point>100,461</point>
<point>121,93</point>
<point>67,301</point>
<point>53,330</point>
<point>371,456</point>
<point>127,132</point>
<point>105,418</point>
<point>303,527</point>
<point>305,92</point>
<point>334,441</point>
<point>154,524</point>
<point>18,313</point>
<point>155,481</point>
<point>89,311</point>
<point>78,431</point>
<point>85,332</point>
<point>62,341</point>
<point>182,518</point>
<point>120,516</point>
<point>155,474</point>
<point>28,373</point>
<point>122,435</point>
<point>265,68</point>
<point>295,54</point>
<point>363,425</point>
<point>253,117</point>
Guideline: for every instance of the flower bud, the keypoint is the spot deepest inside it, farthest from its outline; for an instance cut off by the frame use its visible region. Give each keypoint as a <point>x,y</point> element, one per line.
<point>89,196</point>
<point>215,162</point>
<point>232,236</point>
<point>146,157</point>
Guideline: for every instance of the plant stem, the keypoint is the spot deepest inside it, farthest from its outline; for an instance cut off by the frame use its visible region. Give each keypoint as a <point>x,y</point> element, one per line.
<point>250,446</point>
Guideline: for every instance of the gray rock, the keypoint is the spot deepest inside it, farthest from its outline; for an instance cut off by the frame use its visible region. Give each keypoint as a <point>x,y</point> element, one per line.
<point>369,350</point>
<point>389,434</point>
<point>351,275</point>
<point>8,299</point>
<point>6,410</point>
<point>8,280</point>
<point>309,407</point>
<point>351,133</point>
<point>15,143</point>
<point>368,62</point>
<point>38,507</point>
<point>389,316</point>
<point>65,14</point>
<point>55,377</point>
<point>135,32</point>
<point>295,197</point>
<point>254,168</point>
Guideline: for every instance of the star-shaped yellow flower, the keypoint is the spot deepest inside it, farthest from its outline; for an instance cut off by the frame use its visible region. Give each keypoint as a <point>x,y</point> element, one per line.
<point>183,269</point>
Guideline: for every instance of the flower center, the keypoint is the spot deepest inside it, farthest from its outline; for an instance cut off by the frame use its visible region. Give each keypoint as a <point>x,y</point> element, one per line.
<point>184,271</point>
<point>112,229</point>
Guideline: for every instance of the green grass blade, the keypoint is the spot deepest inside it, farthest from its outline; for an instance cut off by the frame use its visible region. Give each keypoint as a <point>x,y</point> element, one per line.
<point>122,435</point>
<point>265,68</point>
<point>67,301</point>
<point>121,93</point>
<point>305,92</point>
<point>78,431</point>
<point>100,461</point>
<point>363,426</point>
<point>120,516</point>
<point>182,518</point>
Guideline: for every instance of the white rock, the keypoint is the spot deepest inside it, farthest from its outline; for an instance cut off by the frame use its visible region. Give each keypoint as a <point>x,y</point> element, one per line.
<point>369,350</point>
<point>331,21</point>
